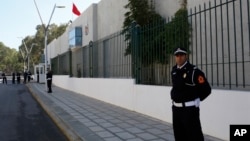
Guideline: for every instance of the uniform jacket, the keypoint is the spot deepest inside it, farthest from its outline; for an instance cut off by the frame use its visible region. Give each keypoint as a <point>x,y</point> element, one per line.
<point>189,83</point>
<point>49,75</point>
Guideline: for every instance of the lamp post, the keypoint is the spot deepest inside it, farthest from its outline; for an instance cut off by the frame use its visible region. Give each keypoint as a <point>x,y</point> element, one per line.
<point>46,35</point>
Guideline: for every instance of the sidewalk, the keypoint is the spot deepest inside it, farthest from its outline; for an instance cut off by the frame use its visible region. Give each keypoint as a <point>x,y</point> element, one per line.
<point>86,119</point>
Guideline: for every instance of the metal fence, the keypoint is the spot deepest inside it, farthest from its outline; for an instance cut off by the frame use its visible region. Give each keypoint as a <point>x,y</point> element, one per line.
<point>220,42</point>
<point>216,34</point>
<point>61,65</point>
<point>101,59</point>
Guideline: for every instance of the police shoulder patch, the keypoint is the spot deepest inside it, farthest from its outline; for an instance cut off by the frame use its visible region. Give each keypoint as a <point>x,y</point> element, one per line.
<point>201,79</point>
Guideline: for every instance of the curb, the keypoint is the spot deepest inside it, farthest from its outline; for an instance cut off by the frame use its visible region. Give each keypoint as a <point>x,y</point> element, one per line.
<point>66,130</point>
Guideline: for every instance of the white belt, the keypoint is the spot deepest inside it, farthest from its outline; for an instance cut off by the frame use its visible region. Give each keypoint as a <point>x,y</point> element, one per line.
<point>195,103</point>
<point>49,78</point>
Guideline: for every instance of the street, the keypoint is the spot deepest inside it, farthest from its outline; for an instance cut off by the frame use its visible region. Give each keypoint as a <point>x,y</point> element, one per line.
<point>22,118</point>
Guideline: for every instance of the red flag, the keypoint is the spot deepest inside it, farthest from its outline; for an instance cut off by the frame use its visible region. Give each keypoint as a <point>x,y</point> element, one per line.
<point>75,10</point>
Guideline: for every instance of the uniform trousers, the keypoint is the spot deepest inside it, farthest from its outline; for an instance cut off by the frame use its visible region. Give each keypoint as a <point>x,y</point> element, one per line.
<point>49,83</point>
<point>186,124</point>
<point>4,80</point>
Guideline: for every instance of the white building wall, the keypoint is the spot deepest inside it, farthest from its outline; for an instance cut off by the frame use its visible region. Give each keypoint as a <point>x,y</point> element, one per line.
<point>62,44</point>
<point>51,50</point>
<point>167,8</point>
<point>58,46</point>
<point>110,15</point>
<point>104,19</point>
<point>87,20</point>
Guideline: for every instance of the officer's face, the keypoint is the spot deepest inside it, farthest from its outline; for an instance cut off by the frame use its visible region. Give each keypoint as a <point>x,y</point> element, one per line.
<point>180,59</point>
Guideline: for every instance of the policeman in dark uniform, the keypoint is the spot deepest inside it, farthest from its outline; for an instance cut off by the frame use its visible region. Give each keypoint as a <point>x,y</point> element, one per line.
<point>4,78</point>
<point>49,80</point>
<point>25,74</point>
<point>29,75</point>
<point>13,77</point>
<point>190,86</point>
<point>18,75</point>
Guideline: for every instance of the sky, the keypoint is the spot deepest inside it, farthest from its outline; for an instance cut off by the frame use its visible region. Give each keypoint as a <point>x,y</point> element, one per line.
<point>19,18</point>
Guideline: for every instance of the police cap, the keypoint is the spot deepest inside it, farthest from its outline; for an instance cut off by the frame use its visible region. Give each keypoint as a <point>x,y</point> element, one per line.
<point>180,50</point>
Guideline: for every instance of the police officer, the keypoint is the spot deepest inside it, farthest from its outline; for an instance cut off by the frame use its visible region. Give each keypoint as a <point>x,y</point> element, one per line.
<point>13,77</point>
<point>4,78</point>
<point>25,75</point>
<point>49,80</point>
<point>29,75</point>
<point>190,86</point>
<point>18,76</point>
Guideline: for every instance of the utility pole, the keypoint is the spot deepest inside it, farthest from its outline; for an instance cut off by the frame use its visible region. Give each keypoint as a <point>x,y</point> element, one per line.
<point>46,35</point>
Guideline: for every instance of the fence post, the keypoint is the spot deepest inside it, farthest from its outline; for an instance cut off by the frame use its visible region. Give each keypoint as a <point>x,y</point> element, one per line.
<point>135,51</point>
<point>58,64</point>
<point>91,58</point>
<point>70,63</point>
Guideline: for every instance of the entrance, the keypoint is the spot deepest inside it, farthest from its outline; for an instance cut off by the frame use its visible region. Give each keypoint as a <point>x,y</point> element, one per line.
<point>39,73</point>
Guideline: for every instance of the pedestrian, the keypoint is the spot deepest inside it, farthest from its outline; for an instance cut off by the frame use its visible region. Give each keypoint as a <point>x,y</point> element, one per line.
<point>49,80</point>
<point>190,86</point>
<point>13,77</point>
<point>29,76</point>
<point>25,74</point>
<point>4,78</point>
<point>18,76</point>
<point>37,76</point>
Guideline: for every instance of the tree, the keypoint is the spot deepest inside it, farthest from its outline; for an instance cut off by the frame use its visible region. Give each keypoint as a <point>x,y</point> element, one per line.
<point>139,12</point>
<point>9,61</point>
<point>54,31</point>
<point>153,39</point>
<point>12,60</point>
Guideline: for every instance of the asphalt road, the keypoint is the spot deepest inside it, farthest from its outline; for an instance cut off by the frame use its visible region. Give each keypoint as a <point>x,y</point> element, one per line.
<point>22,118</point>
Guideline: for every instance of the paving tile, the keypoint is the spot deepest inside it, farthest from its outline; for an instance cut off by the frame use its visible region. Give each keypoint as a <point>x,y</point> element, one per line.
<point>155,131</point>
<point>131,121</point>
<point>134,130</point>
<point>115,129</point>
<point>158,140</point>
<point>167,136</point>
<point>104,134</point>
<point>93,117</point>
<point>112,139</point>
<point>146,136</point>
<point>124,125</point>
<point>125,135</point>
<point>88,124</point>
<point>99,120</point>
<point>115,121</point>
<point>96,128</point>
<point>135,139</point>
<point>142,126</point>
<point>106,124</point>
<point>108,117</point>
<point>78,116</point>
<point>162,126</point>
<point>83,120</point>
